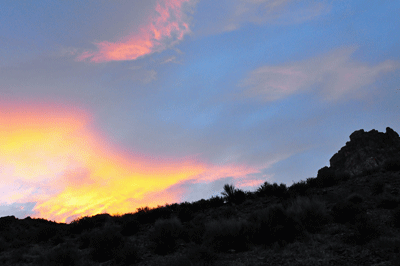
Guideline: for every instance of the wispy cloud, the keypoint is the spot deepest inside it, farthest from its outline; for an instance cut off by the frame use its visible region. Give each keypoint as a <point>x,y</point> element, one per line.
<point>277,11</point>
<point>52,158</point>
<point>237,13</point>
<point>335,75</point>
<point>166,27</point>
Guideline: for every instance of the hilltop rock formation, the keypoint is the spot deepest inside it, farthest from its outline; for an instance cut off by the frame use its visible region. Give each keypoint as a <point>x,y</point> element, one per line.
<point>366,151</point>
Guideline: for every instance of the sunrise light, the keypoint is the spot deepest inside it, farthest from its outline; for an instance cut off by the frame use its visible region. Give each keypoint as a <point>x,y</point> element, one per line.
<point>52,155</point>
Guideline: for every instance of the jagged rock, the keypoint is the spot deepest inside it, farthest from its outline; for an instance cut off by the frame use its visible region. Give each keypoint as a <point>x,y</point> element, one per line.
<point>365,151</point>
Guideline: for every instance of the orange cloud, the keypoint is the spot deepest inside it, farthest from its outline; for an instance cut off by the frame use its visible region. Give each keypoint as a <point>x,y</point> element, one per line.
<point>52,155</point>
<point>167,26</point>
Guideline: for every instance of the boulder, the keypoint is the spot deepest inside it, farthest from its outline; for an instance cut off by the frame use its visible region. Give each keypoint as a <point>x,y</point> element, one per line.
<point>366,151</point>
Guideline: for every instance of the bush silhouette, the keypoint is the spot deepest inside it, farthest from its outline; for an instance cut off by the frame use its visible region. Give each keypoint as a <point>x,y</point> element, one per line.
<point>195,256</point>
<point>273,224</point>
<point>201,255</point>
<point>364,230</point>
<point>346,212</point>
<point>105,243</point>
<point>85,223</point>
<point>44,233</point>
<point>63,255</point>
<point>311,213</point>
<point>130,227</point>
<point>128,254</point>
<point>166,233</point>
<point>229,191</point>
<point>355,198</point>
<point>194,231</point>
<point>299,189</point>
<point>216,201</point>
<point>223,235</point>
<point>325,178</point>
<point>185,214</point>
<point>274,189</point>
<point>233,195</point>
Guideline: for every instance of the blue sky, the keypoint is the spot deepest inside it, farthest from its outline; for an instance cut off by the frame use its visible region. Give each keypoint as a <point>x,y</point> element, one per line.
<point>251,91</point>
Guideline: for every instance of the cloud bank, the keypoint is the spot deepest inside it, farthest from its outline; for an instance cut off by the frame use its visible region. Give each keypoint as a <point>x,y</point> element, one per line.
<point>334,75</point>
<point>166,27</point>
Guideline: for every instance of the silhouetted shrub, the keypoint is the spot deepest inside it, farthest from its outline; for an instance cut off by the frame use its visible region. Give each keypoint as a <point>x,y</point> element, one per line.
<point>200,255</point>
<point>273,224</point>
<point>65,255</point>
<point>195,256</point>
<point>161,213</point>
<point>345,211</point>
<point>6,222</point>
<point>194,231</point>
<point>185,214</point>
<point>144,215</point>
<point>216,201</point>
<point>165,235</point>
<point>274,189</point>
<point>312,182</point>
<point>199,205</point>
<point>223,235</point>
<point>299,189</point>
<point>311,213</point>
<point>377,187</point>
<point>84,240</point>
<point>225,212</point>
<point>364,231</point>
<point>355,198</point>
<point>128,254</point>
<point>44,233</point>
<point>3,244</point>
<point>130,227</point>
<point>85,223</point>
<point>233,195</point>
<point>105,243</point>
<point>229,191</point>
<point>325,177</point>
<point>239,197</point>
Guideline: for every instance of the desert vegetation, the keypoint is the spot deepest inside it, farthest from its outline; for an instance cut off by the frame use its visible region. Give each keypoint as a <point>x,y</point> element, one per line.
<point>213,231</point>
<point>332,219</point>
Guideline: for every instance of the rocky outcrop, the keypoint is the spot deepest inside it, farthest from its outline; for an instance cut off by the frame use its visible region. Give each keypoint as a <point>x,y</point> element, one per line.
<point>366,151</point>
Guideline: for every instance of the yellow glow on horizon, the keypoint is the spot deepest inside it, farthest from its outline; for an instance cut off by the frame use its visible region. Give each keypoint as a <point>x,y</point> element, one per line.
<point>50,155</point>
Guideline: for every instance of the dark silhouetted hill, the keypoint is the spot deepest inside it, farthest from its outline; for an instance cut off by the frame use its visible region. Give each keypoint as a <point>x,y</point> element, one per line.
<point>348,215</point>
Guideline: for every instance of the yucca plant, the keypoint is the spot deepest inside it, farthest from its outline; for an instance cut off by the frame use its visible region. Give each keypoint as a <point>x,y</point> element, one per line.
<point>229,191</point>
<point>233,195</point>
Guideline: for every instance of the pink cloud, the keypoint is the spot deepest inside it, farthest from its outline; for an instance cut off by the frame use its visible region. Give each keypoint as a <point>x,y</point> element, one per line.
<point>335,75</point>
<point>166,27</point>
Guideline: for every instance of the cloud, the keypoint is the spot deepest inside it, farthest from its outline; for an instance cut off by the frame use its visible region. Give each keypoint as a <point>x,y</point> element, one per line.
<point>232,15</point>
<point>335,75</point>
<point>168,25</point>
<point>53,157</point>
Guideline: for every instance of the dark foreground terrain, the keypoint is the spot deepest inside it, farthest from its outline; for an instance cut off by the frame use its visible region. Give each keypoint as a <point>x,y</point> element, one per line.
<point>348,215</point>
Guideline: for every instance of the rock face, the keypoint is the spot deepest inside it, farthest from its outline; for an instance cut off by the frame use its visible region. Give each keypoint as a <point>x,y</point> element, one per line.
<point>366,151</point>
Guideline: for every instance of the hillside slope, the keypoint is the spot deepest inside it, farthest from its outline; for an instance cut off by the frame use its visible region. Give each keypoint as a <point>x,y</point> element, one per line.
<point>348,215</point>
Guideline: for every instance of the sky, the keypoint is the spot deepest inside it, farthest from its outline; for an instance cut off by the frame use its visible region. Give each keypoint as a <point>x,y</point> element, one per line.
<point>108,106</point>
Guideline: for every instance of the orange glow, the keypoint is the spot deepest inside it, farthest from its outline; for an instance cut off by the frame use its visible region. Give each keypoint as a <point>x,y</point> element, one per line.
<point>167,26</point>
<point>50,154</point>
